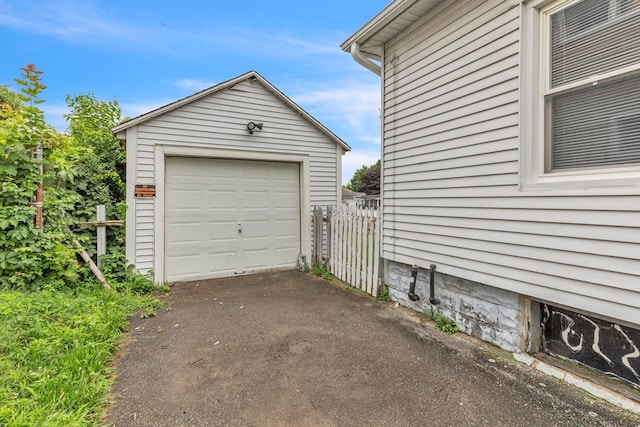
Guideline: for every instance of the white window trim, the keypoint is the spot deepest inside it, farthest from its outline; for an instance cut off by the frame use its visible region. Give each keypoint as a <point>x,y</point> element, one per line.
<point>534,85</point>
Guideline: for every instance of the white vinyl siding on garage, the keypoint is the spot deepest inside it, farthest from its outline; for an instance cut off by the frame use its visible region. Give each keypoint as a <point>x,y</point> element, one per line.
<point>214,122</point>
<point>217,122</point>
<point>451,191</point>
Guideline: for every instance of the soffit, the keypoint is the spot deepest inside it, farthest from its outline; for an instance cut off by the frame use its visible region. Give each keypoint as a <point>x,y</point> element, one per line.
<point>386,25</point>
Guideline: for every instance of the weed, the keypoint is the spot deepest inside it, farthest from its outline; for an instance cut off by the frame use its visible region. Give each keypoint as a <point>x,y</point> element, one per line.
<point>446,325</point>
<point>430,315</point>
<point>321,270</point>
<point>384,295</point>
<point>442,322</point>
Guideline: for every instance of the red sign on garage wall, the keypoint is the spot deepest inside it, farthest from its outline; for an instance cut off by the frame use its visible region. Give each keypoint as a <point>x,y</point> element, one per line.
<point>145,190</point>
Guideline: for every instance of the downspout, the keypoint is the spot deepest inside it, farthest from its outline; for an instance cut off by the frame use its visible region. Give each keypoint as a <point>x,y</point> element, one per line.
<point>364,61</point>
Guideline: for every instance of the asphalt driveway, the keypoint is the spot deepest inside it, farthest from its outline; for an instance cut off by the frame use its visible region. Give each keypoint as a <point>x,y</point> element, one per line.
<point>291,349</point>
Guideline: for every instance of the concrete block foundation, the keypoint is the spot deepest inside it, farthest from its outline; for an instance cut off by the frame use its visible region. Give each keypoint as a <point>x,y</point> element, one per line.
<point>485,312</point>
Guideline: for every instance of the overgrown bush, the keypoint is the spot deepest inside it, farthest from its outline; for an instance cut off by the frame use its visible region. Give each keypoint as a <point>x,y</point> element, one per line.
<point>31,258</point>
<point>81,168</point>
<point>101,166</point>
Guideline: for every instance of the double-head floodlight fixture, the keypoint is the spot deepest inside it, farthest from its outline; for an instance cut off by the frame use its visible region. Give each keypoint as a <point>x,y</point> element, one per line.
<point>251,126</point>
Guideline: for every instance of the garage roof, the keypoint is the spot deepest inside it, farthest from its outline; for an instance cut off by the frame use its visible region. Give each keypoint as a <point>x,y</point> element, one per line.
<point>253,75</point>
<point>391,21</point>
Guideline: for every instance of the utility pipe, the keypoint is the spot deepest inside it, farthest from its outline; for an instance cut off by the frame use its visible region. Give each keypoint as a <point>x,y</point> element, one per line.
<point>412,284</point>
<point>432,277</point>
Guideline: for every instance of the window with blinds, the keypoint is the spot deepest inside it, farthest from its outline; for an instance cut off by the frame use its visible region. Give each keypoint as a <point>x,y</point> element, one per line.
<point>592,85</point>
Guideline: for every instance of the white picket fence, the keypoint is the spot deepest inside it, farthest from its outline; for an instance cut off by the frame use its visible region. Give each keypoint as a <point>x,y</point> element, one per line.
<point>347,242</point>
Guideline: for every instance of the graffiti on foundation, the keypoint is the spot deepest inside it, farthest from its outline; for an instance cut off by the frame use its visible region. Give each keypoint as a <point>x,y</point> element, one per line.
<point>605,346</point>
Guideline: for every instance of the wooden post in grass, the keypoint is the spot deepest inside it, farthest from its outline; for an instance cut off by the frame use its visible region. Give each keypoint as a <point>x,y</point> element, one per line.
<point>101,231</point>
<point>101,225</point>
<point>94,268</point>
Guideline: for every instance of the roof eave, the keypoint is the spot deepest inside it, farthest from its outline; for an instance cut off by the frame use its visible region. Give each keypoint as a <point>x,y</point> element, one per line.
<point>386,25</point>
<point>179,103</point>
<point>374,26</point>
<point>119,130</point>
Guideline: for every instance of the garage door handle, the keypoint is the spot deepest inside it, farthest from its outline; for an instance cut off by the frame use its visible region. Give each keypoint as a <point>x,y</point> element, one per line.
<point>239,228</point>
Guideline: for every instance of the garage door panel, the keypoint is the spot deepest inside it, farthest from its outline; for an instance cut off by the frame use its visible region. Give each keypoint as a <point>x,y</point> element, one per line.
<point>252,227</point>
<point>222,200</point>
<point>257,200</point>
<point>183,199</point>
<point>254,260</point>
<point>286,200</point>
<point>183,167</point>
<point>186,267</point>
<point>222,232</point>
<point>217,261</point>
<point>282,229</point>
<point>286,253</point>
<point>255,243</point>
<point>286,245</point>
<point>286,214</point>
<point>185,233</point>
<point>287,173</point>
<point>207,201</point>
<point>257,171</point>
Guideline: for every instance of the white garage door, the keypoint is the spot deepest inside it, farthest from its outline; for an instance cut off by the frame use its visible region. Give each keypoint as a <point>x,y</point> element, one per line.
<point>228,217</point>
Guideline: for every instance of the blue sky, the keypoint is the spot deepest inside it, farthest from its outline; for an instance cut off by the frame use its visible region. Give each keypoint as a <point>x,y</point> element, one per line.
<point>148,53</point>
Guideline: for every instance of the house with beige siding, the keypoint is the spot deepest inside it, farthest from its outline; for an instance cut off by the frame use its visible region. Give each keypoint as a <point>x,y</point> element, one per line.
<point>511,164</point>
<point>221,183</point>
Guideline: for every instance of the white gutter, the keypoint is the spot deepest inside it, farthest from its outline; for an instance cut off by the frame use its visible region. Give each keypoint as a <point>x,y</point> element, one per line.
<point>363,60</point>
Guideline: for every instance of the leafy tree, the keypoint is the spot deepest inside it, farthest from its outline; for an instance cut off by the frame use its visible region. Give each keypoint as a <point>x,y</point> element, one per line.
<point>30,257</point>
<point>366,179</point>
<point>355,179</point>
<point>9,98</point>
<point>369,182</point>
<point>81,168</point>
<point>101,173</point>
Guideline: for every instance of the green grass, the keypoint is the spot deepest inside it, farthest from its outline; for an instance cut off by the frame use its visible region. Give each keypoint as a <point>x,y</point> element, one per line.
<point>384,295</point>
<point>55,349</point>
<point>442,322</point>
<point>322,271</point>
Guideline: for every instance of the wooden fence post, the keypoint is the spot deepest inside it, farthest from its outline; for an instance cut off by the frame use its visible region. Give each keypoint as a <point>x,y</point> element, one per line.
<point>101,225</point>
<point>317,236</point>
<point>101,231</point>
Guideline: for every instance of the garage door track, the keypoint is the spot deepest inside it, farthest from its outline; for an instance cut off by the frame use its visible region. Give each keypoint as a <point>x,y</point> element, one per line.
<point>291,349</point>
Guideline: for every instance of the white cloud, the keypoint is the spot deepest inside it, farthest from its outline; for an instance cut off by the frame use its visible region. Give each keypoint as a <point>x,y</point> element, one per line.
<point>76,21</point>
<point>355,104</point>
<point>303,45</point>
<point>137,108</point>
<point>85,22</point>
<point>353,160</point>
<point>194,85</point>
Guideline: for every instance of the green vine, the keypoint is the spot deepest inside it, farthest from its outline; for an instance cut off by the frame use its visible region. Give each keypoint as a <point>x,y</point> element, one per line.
<point>82,168</point>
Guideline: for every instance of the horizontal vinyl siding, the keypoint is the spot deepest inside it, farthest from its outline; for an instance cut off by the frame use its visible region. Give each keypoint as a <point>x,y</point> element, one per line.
<point>144,234</point>
<point>219,121</point>
<point>451,193</point>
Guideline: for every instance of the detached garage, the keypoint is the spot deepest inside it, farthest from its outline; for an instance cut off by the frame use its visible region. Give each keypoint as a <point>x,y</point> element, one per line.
<point>221,183</point>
